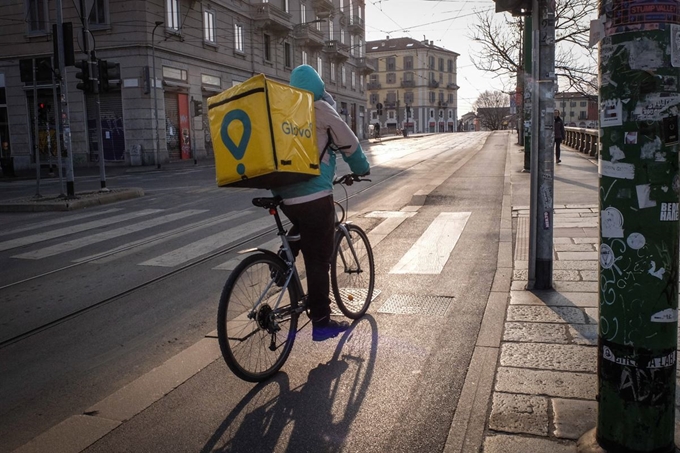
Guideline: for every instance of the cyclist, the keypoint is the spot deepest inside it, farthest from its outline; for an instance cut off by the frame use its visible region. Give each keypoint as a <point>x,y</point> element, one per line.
<point>309,204</point>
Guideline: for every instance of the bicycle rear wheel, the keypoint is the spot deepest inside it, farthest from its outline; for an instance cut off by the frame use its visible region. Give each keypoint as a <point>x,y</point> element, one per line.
<point>352,272</point>
<point>255,335</point>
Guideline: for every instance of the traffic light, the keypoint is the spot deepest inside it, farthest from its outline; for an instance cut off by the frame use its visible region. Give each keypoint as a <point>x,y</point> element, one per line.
<point>42,112</point>
<point>107,72</point>
<point>514,7</point>
<point>198,107</point>
<point>379,106</point>
<point>84,76</point>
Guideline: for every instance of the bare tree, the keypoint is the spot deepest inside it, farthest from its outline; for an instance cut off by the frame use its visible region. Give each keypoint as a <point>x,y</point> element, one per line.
<point>493,108</point>
<point>575,62</point>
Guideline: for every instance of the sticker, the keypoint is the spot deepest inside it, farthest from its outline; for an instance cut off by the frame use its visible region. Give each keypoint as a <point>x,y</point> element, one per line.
<point>645,53</point>
<point>667,315</point>
<point>607,354</point>
<point>654,106</point>
<point>606,256</point>
<point>546,220</point>
<point>636,241</point>
<point>649,149</point>
<point>665,361</point>
<point>631,138</point>
<point>610,114</point>
<point>669,212</point>
<point>643,191</point>
<point>670,130</point>
<point>616,153</point>
<point>653,271</point>
<point>612,223</point>
<point>616,169</point>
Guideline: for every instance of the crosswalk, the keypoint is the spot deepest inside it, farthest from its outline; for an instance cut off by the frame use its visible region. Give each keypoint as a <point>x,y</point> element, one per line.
<point>169,238</point>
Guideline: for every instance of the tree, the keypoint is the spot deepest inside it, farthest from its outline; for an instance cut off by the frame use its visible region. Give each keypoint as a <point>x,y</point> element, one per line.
<point>493,108</point>
<point>575,62</point>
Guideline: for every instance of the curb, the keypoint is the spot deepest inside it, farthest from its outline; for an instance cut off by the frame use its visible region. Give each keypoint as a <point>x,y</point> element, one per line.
<point>87,199</point>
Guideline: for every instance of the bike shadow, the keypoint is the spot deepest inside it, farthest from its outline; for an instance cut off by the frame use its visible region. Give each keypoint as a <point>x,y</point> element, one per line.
<point>315,416</point>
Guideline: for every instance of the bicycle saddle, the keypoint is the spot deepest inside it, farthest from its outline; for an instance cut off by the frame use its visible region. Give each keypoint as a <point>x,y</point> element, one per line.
<point>267,202</point>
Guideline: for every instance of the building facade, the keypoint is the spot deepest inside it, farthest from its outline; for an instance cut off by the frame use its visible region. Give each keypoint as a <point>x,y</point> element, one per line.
<point>201,48</point>
<point>414,86</point>
<point>578,110</point>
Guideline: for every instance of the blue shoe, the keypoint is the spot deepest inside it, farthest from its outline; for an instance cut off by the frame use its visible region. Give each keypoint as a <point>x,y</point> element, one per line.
<point>329,329</point>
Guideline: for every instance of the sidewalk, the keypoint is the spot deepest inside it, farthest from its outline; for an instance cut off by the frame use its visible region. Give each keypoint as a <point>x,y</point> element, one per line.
<point>545,387</point>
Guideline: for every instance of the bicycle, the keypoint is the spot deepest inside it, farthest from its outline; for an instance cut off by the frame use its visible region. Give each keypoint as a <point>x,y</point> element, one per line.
<point>257,318</point>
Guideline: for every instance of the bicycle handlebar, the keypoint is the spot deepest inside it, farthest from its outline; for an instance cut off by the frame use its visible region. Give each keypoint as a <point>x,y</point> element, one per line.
<point>349,179</point>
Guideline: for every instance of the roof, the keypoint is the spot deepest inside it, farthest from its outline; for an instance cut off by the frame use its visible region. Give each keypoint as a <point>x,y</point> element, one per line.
<point>401,44</point>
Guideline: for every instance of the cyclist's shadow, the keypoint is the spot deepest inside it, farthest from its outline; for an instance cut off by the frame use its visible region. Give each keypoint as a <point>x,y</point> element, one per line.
<point>315,416</point>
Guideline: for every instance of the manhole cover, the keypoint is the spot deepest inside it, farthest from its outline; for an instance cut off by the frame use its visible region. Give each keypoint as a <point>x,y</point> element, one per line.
<point>412,305</point>
<point>356,293</point>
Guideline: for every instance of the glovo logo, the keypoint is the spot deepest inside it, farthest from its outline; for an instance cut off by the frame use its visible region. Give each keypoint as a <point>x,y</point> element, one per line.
<point>296,131</point>
<point>237,150</point>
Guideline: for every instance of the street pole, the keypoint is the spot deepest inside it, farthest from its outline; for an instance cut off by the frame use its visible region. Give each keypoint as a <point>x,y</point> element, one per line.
<point>526,101</point>
<point>57,126</point>
<point>36,130</point>
<point>542,165</point>
<point>98,114</point>
<point>638,271</point>
<point>63,89</point>
<point>155,95</point>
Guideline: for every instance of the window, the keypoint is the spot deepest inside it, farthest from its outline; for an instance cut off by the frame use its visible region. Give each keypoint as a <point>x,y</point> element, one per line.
<point>391,97</point>
<point>172,15</point>
<point>408,62</point>
<point>450,65</point>
<point>330,29</point>
<point>99,14</point>
<point>267,47</point>
<point>390,114</point>
<point>374,115</point>
<point>450,98</point>
<point>37,16</point>
<point>432,97</point>
<point>209,26</point>
<point>351,45</point>
<point>572,104</point>
<point>303,13</point>
<point>563,104</point>
<point>583,103</point>
<point>318,24</point>
<point>431,63</point>
<point>212,81</point>
<point>343,75</point>
<point>432,79</point>
<point>304,57</point>
<point>360,47</point>
<point>441,96</point>
<point>350,10</point>
<point>374,78</point>
<point>175,74</point>
<point>287,55</point>
<point>391,63</point>
<point>238,38</point>
<point>342,36</point>
<point>571,114</point>
<point>408,77</point>
<point>391,77</point>
<point>319,66</point>
<point>342,5</point>
<point>408,97</point>
<point>333,72</point>
<point>361,83</point>
<point>353,79</point>
<point>441,65</point>
<point>286,6</point>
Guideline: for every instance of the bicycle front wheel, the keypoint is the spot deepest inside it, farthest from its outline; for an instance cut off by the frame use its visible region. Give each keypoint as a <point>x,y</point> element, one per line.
<point>257,319</point>
<point>352,271</point>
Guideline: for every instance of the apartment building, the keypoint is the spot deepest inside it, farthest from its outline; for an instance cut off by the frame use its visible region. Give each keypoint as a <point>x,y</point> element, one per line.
<point>200,48</point>
<point>577,109</point>
<point>414,86</point>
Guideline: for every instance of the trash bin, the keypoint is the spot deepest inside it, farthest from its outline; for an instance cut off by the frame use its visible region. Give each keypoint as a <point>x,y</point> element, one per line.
<point>405,132</point>
<point>7,166</point>
<point>136,155</point>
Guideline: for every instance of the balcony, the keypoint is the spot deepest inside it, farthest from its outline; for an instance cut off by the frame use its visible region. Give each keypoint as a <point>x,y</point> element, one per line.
<point>269,17</point>
<point>408,83</point>
<point>442,104</point>
<point>390,105</point>
<point>307,35</point>
<point>356,24</point>
<point>373,85</point>
<point>452,86</point>
<point>323,8</point>
<point>364,67</point>
<point>336,50</point>
<point>433,84</point>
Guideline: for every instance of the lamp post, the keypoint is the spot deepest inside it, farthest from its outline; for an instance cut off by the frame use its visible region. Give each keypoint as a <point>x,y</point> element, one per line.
<point>155,96</point>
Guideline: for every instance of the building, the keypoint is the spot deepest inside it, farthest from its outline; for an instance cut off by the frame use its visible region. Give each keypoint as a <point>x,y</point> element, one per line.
<point>578,110</point>
<point>200,48</point>
<point>469,122</point>
<point>414,86</point>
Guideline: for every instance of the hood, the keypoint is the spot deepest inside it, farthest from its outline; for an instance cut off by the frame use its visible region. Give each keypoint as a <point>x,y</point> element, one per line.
<point>307,78</point>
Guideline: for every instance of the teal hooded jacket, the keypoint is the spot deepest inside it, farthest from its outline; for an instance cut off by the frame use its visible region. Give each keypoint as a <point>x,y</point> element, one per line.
<point>327,119</point>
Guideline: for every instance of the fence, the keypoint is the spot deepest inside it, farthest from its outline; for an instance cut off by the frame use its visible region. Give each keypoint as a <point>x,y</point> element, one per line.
<point>582,140</point>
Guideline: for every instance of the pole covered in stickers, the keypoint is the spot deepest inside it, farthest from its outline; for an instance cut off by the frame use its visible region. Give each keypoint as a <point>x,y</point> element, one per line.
<point>638,254</point>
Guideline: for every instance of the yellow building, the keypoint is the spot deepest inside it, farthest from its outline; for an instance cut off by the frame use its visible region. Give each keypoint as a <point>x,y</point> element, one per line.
<point>414,86</point>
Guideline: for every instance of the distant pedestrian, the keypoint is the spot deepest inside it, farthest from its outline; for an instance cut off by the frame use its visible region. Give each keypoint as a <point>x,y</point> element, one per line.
<point>376,130</point>
<point>559,135</point>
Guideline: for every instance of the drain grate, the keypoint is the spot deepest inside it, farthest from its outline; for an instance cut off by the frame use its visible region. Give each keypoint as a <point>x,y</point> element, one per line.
<point>356,293</point>
<point>413,305</point>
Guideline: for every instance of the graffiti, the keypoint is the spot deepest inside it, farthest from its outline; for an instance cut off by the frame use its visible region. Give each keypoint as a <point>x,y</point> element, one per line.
<point>643,385</point>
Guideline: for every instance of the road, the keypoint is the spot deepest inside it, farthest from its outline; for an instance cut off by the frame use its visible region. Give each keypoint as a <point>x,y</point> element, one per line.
<point>92,300</point>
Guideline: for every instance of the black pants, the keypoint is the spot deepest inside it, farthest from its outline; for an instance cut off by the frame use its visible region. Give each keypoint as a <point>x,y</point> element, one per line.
<point>558,142</point>
<point>315,220</point>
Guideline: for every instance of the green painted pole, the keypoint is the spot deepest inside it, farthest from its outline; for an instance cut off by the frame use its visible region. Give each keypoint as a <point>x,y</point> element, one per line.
<point>527,92</point>
<point>639,185</point>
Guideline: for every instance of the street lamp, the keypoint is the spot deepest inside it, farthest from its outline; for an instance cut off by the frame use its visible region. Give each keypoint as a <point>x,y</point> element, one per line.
<point>155,96</point>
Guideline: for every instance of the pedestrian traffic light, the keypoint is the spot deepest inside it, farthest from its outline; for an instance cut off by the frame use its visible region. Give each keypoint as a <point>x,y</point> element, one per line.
<point>84,76</point>
<point>379,106</point>
<point>514,7</point>
<point>42,112</point>
<point>107,73</point>
<point>198,107</point>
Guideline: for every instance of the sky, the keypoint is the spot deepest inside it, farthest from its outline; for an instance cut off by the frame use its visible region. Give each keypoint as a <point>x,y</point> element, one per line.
<point>447,24</point>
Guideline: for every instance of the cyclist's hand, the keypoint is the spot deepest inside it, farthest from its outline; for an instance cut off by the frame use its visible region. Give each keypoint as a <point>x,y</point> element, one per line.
<point>348,180</point>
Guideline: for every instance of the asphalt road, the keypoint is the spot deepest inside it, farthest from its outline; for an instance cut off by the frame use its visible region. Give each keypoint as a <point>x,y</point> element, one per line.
<point>86,308</point>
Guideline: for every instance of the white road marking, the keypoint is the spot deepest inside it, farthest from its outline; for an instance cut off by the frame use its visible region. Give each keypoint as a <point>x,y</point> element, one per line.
<point>432,249</point>
<point>209,244</point>
<point>32,239</point>
<point>230,265</point>
<point>71,218</point>
<point>392,220</point>
<point>152,241</point>
<point>106,235</point>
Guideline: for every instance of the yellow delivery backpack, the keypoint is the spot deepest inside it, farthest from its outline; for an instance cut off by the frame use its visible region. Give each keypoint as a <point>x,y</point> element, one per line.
<point>263,134</point>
